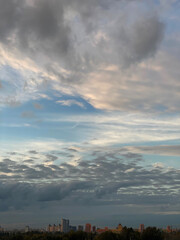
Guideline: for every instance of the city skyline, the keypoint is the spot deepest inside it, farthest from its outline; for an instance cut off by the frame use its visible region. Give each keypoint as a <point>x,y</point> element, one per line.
<point>89,112</point>
<point>64,226</point>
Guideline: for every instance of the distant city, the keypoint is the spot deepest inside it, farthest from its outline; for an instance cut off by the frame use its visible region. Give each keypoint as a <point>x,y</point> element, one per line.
<point>65,227</point>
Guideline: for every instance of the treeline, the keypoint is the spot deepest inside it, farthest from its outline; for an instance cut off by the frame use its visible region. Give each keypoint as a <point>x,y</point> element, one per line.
<point>150,233</point>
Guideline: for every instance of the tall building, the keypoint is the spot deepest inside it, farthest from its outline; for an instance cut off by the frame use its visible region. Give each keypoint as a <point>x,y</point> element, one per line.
<point>102,230</point>
<point>48,228</point>
<point>94,229</point>
<point>27,229</point>
<point>72,228</point>
<point>80,228</point>
<point>169,229</point>
<point>58,228</point>
<point>88,227</point>
<point>64,225</point>
<point>118,229</point>
<point>141,228</point>
<point>54,228</point>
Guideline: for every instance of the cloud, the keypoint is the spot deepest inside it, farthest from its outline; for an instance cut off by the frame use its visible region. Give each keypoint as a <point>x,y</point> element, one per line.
<point>63,46</point>
<point>120,127</point>
<point>51,157</point>
<point>137,37</point>
<point>129,170</point>
<point>106,177</point>
<point>30,23</point>
<point>158,165</point>
<point>142,88</point>
<point>33,152</point>
<point>164,150</point>
<point>28,114</point>
<point>38,106</point>
<point>70,102</point>
<point>59,192</point>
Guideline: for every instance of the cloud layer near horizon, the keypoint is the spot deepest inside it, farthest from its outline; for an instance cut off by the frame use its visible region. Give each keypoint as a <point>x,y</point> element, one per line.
<point>99,177</point>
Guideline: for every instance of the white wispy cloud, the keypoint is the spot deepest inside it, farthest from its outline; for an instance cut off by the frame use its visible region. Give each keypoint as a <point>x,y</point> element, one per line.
<point>70,102</point>
<point>118,128</point>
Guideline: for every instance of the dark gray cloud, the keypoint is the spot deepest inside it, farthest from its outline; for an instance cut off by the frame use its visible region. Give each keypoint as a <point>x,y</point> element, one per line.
<point>33,152</point>
<point>168,150</point>
<point>40,28</point>
<point>9,12</point>
<point>69,41</point>
<point>58,192</point>
<point>109,178</point>
<point>51,157</point>
<point>12,153</point>
<point>140,39</point>
<point>28,161</point>
<point>36,27</point>
<point>15,195</point>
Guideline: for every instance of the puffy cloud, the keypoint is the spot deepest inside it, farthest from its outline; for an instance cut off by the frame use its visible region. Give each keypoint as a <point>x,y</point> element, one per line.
<point>137,37</point>
<point>111,176</point>
<point>33,25</point>
<point>69,46</point>
<point>58,192</point>
<point>142,88</point>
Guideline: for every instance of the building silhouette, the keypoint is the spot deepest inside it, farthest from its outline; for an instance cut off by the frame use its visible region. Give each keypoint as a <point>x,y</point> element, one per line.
<point>169,229</point>
<point>54,228</point>
<point>72,228</point>
<point>64,225</point>
<point>102,230</point>
<point>88,227</point>
<point>94,229</point>
<point>141,228</point>
<point>27,229</point>
<point>80,228</point>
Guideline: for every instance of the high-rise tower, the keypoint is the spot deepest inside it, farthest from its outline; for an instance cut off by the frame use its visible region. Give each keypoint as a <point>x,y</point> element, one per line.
<point>64,225</point>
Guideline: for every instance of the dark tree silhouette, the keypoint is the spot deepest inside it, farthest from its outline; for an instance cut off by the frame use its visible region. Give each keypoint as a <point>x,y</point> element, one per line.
<point>152,233</point>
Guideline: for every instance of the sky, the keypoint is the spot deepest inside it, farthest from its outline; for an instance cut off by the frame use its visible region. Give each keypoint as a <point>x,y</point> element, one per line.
<point>89,112</point>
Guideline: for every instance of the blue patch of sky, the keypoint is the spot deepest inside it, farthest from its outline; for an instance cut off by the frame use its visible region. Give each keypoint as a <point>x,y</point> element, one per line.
<point>27,121</point>
<point>167,161</point>
<point>47,108</point>
<point>160,108</point>
<point>150,143</point>
<point>171,20</point>
<point>64,131</point>
<point>53,106</point>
